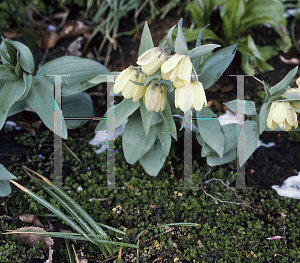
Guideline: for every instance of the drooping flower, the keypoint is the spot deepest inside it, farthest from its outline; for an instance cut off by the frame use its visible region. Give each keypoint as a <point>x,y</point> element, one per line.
<point>151,60</point>
<point>155,96</point>
<point>280,114</point>
<point>127,87</point>
<point>178,69</point>
<point>191,95</point>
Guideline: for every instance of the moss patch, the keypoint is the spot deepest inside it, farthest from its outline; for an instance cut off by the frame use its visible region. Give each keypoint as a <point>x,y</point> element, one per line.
<point>227,232</point>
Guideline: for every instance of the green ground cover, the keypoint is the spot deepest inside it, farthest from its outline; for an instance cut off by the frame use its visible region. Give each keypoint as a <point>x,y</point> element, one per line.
<point>227,233</point>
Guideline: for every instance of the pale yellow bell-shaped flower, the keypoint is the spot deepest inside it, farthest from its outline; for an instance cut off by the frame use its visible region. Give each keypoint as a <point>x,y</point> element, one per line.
<point>151,60</point>
<point>178,69</point>
<point>191,95</point>
<point>127,87</point>
<point>155,97</point>
<point>280,114</point>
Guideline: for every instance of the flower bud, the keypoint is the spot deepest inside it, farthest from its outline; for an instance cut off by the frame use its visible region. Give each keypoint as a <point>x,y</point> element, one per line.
<point>151,60</point>
<point>155,97</point>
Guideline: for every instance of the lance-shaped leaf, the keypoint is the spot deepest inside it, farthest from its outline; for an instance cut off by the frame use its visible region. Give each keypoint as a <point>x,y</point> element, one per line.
<point>81,71</point>
<point>146,40</point>
<point>168,119</point>
<point>11,50</point>
<point>122,110</point>
<point>26,58</point>
<point>251,55</point>
<point>169,39</point>
<point>76,106</point>
<point>17,107</point>
<point>197,61</point>
<point>164,136</point>
<point>146,116</point>
<point>103,78</point>
<point>292,96</point>
<point>180,42</point>
<point>263,115</point>
<point>6,75</point>
<point>135,143</point>
<point>5,176</point>
<point>28,82</point>
<point>201,50</point>
<point>154,159</point>
<point>18,69</point>
<point>231,14</point>
<point>241,107</point>
<point>12,91</point>
<point>216,160</point>
<point>280,87</point>
<point>40,98</point>
<point>260,12</point>
<point>212,133</point>
<point>247,140</point>
<point>230,131</point>
<point>214,66</point>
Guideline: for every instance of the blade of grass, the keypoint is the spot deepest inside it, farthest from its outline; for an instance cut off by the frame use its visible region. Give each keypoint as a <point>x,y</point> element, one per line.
<point>74,236</point>
<point>79,220</point>
<point>67,241</point>
<point>75,206</point>
<point>53,209</point>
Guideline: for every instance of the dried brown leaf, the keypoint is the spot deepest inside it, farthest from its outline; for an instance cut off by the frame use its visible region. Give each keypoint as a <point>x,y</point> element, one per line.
<point>31,239</point>
<point>31,219</point>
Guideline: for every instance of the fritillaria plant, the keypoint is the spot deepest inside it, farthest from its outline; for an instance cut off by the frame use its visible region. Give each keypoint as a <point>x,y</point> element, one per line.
<point>168,80</point>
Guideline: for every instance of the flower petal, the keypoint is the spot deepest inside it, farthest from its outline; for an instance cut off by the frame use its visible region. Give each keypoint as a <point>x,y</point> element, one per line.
<point>279,112</point>
<point>291,116</point>
<point>151,97</point>
<point>270,123</point>
<point>183,98</point>
<point>169,65</point>
<point>140,91</point>
<point>198,96</point>
<point>183,74</point>
<point>148,56</point>
<point>129,89</point>
<point>285,126</point>
<point>123,79</point>
<point>179,93</point>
